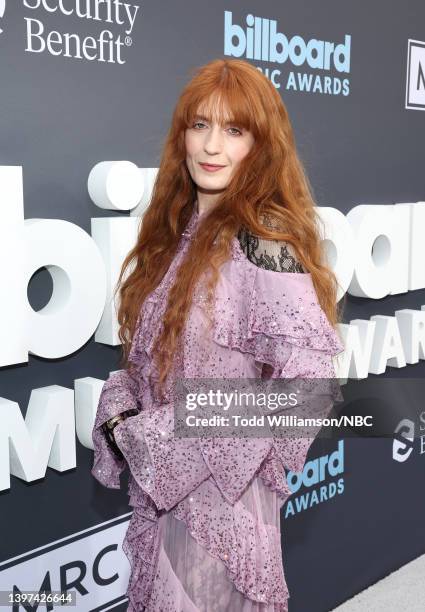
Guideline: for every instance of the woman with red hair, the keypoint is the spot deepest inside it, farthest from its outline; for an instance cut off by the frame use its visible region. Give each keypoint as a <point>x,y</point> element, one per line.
<point>228,280</point>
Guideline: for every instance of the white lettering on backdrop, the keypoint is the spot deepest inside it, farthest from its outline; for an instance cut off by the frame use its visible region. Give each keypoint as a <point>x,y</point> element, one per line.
<point>375,251</point>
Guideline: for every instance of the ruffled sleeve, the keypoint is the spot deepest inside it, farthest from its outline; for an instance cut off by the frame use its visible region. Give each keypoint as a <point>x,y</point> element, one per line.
<point>285,313</point>
<point>285,317</point>
<point>275,317</point>
<point>118,395</point>
<point>282,326</point>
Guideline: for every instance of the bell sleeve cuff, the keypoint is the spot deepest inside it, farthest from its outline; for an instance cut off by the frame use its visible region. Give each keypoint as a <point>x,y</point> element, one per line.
<point>118,395</point>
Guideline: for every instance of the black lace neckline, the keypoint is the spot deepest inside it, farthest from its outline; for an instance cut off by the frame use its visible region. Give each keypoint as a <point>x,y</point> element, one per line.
<point>275,257</point>
<point>266,254</point>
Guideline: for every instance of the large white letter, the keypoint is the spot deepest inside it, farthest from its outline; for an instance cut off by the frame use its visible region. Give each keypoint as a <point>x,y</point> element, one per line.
<point>13,286</point>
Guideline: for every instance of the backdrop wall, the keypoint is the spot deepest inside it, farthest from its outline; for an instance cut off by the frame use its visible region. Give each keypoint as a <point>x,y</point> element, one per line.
<point>82,86</point>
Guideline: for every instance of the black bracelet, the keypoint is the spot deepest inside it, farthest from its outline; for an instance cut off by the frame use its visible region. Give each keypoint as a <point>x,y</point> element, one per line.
<point>111,442</point>
<point>109,432</point>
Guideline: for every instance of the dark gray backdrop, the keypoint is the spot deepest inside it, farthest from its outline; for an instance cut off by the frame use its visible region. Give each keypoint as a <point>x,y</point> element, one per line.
<point>60,116</point>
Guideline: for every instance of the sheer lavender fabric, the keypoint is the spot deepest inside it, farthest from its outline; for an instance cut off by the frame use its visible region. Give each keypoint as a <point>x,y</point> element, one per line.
<point>204,535</point>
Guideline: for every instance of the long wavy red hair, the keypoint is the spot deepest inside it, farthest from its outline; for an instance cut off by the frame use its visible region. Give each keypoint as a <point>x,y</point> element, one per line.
<point>269,180</point>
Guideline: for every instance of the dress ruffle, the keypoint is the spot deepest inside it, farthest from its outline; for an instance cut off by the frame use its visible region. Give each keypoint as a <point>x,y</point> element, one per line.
<point>270,322</point>
<point>201,481</point>
<point>169,468</point>
<point>166,467</point>
<point>275,319</point>
<point>141,546</point>
<point>249,548</point>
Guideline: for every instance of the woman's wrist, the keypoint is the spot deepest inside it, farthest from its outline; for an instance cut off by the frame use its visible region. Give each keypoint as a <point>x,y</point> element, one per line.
<point>111,423</point>
<point>109,426</point>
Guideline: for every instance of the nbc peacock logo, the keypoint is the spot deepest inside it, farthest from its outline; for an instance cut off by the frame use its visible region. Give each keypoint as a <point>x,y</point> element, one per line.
<point>2,9</point>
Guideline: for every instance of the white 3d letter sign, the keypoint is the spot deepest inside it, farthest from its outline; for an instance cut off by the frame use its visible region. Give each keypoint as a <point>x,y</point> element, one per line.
<point>375,251</point>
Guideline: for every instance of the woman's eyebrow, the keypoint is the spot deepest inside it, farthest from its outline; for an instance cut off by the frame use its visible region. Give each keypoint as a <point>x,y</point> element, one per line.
<point>202,118</point>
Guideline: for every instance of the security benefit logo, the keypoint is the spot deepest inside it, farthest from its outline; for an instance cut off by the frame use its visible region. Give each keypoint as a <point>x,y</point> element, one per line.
<point>89,567</point>
<point>321,479</point>
<point>409,438</point>
<point>415,75</point>
<point>56,27</point>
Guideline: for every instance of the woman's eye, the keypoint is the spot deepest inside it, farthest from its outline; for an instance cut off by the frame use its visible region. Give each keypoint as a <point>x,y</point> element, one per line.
<point>239,132</point>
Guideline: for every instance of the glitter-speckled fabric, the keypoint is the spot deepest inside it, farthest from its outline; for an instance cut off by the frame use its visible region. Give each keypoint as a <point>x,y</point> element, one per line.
<point>205,531</point>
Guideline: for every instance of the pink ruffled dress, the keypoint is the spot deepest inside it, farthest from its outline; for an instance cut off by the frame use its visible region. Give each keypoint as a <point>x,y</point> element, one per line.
<point>205,534</point>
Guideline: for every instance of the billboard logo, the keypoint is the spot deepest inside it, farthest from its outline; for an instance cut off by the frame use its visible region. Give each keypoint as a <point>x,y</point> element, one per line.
<point>261,41</point>
<point>317,478</point>
<point>2,9</point>
<point>258,39</point>
<point>415,75</point>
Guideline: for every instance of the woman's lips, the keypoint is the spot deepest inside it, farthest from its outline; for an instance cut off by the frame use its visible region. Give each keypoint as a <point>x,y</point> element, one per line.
<point>210,167</point>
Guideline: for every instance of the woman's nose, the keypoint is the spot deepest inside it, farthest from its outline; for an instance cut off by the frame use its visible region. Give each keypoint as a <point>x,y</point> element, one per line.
<point>214,140</point>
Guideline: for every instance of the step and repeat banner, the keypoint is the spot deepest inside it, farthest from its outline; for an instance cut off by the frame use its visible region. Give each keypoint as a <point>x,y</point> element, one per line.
<point>88,89</point>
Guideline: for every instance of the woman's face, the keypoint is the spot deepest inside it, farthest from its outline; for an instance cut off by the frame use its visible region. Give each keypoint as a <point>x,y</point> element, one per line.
<point>210,143</point>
